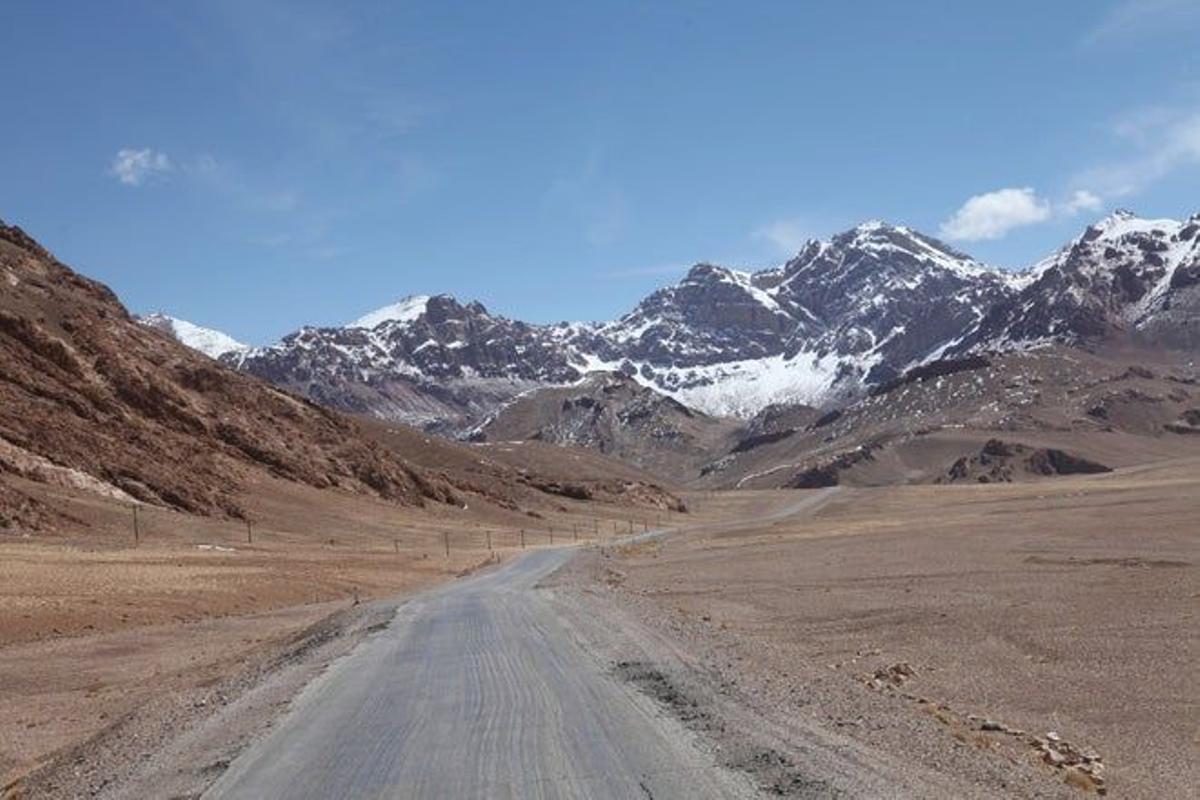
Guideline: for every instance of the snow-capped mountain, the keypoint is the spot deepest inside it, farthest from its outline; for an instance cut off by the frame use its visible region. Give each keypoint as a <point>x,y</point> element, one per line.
<point>845,314</point>
<point>407,310</point>
<point>857,309</point>
<point>429,361</point>
<point>213,344</point>
<point>1124,277</point>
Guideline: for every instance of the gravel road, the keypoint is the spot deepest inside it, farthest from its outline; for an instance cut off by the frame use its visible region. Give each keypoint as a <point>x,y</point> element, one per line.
<point>477,689</point>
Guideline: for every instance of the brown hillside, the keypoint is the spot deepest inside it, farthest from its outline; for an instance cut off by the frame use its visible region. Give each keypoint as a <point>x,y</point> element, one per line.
<point>90,399</point>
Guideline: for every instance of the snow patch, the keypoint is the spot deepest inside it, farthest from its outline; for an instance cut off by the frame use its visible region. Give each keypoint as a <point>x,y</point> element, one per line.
<point>211,343</point>
<point>407,310</point>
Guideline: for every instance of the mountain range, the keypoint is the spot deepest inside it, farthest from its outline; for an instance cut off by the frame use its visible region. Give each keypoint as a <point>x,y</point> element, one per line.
<point>94,405</point>
<point>844,315</point>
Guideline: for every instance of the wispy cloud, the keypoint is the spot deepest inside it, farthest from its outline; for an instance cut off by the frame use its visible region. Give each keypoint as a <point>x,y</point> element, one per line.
<point>134,167</point>
<point>594,199</point>
<point>311,240</point>
<point>786,236</point>
<point>341,104</point>
<point>325,252</point>
<point>354,102</point>
<point>393,114</point>
<point>1161,141</point>
<point>1129,21</point>
<point>272,240</point>
<point>250,191</point>
<point>654,270</point>
<point>1082,200</point>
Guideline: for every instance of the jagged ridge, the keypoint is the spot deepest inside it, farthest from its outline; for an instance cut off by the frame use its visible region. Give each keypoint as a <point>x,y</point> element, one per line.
<point>855,311</point>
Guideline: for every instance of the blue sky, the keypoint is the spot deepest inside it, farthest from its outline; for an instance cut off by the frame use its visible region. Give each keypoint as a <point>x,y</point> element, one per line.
<point>254,166</point>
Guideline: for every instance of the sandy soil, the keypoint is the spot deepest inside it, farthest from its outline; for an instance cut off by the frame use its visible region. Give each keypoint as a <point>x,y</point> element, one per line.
<point>1067,607</point>
<point>94,628</point>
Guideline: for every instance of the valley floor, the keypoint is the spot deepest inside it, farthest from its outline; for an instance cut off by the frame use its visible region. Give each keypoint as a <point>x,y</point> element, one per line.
<point>110,646</point>
<point>989,636</point>
<point>914,641</point>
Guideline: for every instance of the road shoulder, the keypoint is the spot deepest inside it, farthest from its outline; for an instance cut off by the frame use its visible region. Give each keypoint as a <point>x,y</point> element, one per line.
<point>182,738</point>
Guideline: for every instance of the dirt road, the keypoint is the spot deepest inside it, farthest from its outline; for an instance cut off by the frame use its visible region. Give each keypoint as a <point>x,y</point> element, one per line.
<point>480,689</point>
<point>477,690</point>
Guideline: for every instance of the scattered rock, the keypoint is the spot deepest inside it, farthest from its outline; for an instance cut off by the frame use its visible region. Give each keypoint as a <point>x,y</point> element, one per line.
<point>1083,769</point>
<point>895,674</point>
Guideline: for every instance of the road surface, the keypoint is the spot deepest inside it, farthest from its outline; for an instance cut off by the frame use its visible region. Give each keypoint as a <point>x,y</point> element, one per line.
<point>476,690</point>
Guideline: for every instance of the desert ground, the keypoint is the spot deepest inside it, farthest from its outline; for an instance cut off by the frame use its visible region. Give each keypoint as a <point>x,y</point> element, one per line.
<point>1032,639</point>
<point>1027,640</point>
<point>104,639</point>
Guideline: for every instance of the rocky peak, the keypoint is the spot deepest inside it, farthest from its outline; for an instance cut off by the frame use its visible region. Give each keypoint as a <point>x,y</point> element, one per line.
<point>1116,217</point>
<point>704,272</point>
<point>854,310</point>
<point>877,234</point>
<point>435,310</point>
<point>879,251</point>
<point>445,308</point>
<point>1123,223</point>
<point>711,314</point>
<point>874,231</point>
<point>1124,276</point>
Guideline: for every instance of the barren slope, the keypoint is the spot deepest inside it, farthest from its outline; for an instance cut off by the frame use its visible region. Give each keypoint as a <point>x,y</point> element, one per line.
<point>615,415</point>
<point>89,398</point>
<point>1116,409</point>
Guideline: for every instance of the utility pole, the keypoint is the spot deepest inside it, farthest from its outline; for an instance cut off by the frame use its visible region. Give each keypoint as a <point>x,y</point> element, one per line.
<point>137,534</point>
<point>522,538</point>
<point>249,532</point>
<point>446,537</point>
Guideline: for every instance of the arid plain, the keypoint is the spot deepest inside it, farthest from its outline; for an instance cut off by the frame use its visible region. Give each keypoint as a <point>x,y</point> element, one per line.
<point>1031,639</point>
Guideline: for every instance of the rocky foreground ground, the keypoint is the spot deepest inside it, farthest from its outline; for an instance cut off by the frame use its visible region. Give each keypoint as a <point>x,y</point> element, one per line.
<point>1025,641</point>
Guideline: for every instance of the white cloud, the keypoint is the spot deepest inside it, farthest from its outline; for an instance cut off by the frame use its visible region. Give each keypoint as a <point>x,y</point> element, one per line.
<point>134,167</point>
<point>1129,21</point>
<point>787,236</point>
<point>994,214</point>
<point>1082,200</point>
